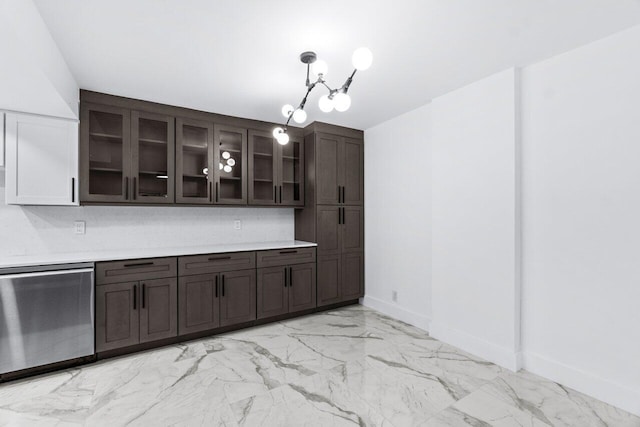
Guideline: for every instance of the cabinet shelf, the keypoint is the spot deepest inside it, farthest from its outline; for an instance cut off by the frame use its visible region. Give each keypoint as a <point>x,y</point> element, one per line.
<point>291,158</point>
<point>231,178</point>
<point>193,176</point>
<point>152,141</point>
<point>262,180</point>
<point>106,136</point>
<point>231,150</point>
<point>110,170</point>
<point>153,173</point>
<point>263,155</point>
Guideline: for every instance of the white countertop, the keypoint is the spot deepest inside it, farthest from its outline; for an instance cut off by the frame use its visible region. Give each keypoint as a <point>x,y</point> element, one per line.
<point>119,254</point>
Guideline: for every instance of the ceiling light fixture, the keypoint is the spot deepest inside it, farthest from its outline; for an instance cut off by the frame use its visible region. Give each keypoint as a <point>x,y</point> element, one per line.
<point>337,99</point>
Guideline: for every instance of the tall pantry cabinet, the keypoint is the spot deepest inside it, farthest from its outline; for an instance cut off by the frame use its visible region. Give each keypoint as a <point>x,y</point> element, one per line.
<point>333,215</point>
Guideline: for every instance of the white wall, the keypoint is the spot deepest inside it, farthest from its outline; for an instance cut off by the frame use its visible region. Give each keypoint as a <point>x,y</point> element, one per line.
<point>476,230</point>
<point>46,229</point>
<point>397,216</point>
<point>34,76</point>
<point>581,222</point>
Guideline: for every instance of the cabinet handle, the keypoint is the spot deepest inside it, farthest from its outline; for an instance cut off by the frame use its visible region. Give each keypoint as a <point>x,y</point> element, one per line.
<point>73,190</point>
<point>139,264</point>
<point>217,192</point>
<point>210,191</point>
<point>339,194</point>
<point>285,277</point>
<point>339,216</point>
<point>343,191</point>
<point>281,194</point>
<point>126,188</point>
<point>218,258</point>
<point>134,188</point>
<point>135,297</point>
<point>144,294</point>
<point>289,252</point>
<point>216,286</point>
<point>344,217</point>
<point>223,285</point>
<point>290,277</point>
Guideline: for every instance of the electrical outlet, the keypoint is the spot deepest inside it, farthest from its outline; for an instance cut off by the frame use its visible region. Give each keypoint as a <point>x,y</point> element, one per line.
<point>80,227</point>
<point>237,224</point>
<point>394,296</point>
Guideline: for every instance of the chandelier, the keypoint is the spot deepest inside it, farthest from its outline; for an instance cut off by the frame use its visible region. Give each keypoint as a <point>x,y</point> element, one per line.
<point>337,99</point>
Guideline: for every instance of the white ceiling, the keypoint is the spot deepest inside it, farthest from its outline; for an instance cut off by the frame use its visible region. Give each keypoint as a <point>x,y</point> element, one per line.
<point>240,57</point>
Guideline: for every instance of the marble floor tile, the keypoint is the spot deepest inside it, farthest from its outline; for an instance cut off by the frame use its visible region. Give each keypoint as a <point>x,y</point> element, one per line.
<point>349,366</point>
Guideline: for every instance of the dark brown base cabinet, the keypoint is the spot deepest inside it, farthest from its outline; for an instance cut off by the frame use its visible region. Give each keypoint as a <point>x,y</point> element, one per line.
<point>286,289</point>
<point>340,278</point>
<point>209,301</point>
<point>135,312</point>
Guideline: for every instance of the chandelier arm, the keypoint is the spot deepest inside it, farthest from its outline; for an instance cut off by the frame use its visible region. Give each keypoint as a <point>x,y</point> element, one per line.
<point>345,86</point>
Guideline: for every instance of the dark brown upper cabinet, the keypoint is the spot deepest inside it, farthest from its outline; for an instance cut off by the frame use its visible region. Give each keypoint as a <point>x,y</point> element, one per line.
<point>230,165</point>
<point>153,162</point>
<point>276,172</point>
<point>105,159</point>
<point>126,156</point>
<point>339,170</point>
<point>211,162</point>
<point>194,160</point>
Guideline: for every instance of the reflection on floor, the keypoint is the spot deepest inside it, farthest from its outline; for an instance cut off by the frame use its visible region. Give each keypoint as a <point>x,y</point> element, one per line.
<point>351,366</point>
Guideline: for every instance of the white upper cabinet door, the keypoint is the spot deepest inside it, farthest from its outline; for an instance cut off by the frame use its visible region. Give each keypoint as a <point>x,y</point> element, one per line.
<point>41,160</point>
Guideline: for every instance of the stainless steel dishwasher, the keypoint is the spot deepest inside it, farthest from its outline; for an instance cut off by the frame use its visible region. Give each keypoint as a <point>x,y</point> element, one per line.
<point>46,315</point>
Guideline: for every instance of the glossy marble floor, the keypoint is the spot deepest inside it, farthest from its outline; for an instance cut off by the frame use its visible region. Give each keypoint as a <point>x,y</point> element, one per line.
<point>351,366</point>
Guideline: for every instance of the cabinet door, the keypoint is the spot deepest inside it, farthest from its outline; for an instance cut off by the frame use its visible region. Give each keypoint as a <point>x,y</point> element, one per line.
<point>352,165</point>
<point>329,279</point>
<point>273,296</point>
<point>158,309</point>
<point>199,303</point>
<point>291,170</point>
<point>352,229</point>
<point>238,297</point>
<point>42,160</point>
<point>352,286</point>
<point>329,230</point>
<point>230,165</point>
<point>263,170</point>
<point>153,151</point>
<point>302,287</point>
<point>117,309</point>
<point>105,153</point>
<point>194,161</point>
<point>328,174</point>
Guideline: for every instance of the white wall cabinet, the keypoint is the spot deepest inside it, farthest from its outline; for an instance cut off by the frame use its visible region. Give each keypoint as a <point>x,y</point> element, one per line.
<point>41,160</point>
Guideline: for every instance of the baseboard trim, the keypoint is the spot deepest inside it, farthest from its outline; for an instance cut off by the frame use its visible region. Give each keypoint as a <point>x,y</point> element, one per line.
<point>501,356</point>
<point>608,391</point>
<point>397,312</point>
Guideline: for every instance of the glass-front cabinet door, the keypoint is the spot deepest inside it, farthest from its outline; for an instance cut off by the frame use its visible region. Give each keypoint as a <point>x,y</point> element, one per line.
<point>230,164</point>
<point>263,175</point>
<point>153,150</point>
<point>194,161</point>
<point>291,161</point>
<point>105,154</point>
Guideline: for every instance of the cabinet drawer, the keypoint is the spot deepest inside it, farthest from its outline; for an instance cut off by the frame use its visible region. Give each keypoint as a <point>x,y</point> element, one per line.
<point>216,263</point>
<point>286,257</point>
<point>136,269</point>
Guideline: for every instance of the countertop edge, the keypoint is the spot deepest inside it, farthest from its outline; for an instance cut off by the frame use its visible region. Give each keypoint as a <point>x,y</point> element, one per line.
<point>123,254</point>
